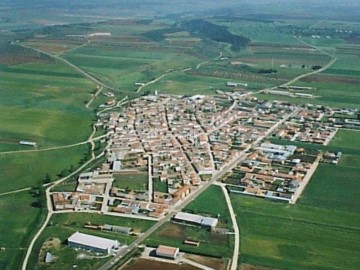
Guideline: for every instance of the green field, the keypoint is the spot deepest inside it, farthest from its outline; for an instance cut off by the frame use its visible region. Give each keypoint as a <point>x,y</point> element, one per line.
<point>211,243</point>
<point>218,208</point>
<point>347,139</point>
<point>27,169</point>
<point>334,187</point>
<point>283,236</point>
<point>20,220</point>
<point>63,225</point>
<point>131,181</point>
<point>43,102</point>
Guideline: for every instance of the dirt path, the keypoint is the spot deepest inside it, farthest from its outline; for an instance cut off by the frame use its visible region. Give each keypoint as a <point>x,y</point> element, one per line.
<point>78,69</point>
<point>236,254</point>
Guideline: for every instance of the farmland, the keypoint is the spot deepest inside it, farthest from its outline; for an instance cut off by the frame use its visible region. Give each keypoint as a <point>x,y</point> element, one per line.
<point>280,236</point>
<point>20,218</point>
<point>211,243</point>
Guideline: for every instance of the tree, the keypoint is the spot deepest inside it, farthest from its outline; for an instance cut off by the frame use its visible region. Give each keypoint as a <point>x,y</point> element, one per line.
<point>47,178</point>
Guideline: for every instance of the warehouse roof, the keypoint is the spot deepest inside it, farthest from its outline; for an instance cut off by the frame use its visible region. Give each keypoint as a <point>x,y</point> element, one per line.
<point>201,220</point>
<point>92,241</point>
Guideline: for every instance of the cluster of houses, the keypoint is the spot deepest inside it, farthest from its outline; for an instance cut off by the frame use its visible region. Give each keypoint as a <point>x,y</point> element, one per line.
<point>272,171</point>
<point>307,126</point>
<point>182,141</point>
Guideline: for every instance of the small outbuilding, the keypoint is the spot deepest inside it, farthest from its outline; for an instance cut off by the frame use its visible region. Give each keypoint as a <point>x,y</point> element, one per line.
<point>167,252</point>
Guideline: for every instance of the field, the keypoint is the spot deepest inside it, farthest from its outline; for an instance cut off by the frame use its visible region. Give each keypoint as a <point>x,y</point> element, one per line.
<point>211,243</point>
<point>283,236</point>
<point>218,207</point>
<point>20,218</point>
<point>27,169</point>
<point>347,139</point>
<point>63,225</point>
<point>131,181</point>
<point>334,187</point>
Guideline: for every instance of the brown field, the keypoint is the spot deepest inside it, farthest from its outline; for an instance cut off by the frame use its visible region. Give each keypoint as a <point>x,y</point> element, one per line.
<point>218,264</point>
<point>245,266</point>
<point>173,230</point>
<point>143,264</point>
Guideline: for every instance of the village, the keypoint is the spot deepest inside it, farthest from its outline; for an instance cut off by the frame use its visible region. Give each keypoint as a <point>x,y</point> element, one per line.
<point>171,145</point>
<point>161,150</point>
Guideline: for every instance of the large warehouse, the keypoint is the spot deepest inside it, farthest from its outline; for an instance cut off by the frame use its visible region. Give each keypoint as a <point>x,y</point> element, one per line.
<point>92,243</point>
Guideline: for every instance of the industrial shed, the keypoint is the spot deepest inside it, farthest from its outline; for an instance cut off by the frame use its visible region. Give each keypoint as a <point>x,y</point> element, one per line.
<point>92,243</point>
<point>196,219</point>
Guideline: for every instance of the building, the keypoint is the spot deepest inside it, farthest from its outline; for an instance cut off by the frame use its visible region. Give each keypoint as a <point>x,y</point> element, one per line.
<point>92,243</point>
<point>196,219</point>
<point>167,252</point>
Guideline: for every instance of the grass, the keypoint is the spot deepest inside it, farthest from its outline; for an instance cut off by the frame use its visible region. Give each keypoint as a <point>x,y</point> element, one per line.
<point>131,181</point>
<point>27,169</point>
<point>44,102</point>
<point>286,236</point>
<point>347,139</point>
<point>211,244</point>
<point>334,187</point>
<point>63,225</point>
<point>160,186</point>
<point>218,206</point>
<point>20,219</point>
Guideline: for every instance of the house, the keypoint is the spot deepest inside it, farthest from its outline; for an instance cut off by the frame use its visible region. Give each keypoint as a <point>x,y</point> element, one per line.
<point>167,252</point>
<point>92,243</point>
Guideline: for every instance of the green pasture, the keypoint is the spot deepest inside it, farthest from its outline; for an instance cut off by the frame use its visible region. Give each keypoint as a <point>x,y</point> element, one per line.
<point>44,103</point>
<point>20,220</point>
<point>217,207</point>
<point>283,236</point>
<point>23,170</point>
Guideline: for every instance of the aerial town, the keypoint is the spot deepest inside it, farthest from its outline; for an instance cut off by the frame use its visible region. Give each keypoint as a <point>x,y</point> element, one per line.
<point>178,143</point>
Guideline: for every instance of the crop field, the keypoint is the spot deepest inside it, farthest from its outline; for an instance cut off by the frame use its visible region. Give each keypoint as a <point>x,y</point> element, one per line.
<point>283,236</point>
<point>63,225</point>
<point>334,187</point>
<point>347,139</point>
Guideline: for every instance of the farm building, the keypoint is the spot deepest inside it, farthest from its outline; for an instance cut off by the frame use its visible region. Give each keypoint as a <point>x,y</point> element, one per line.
<point>119,229</point>
<point>167,252</point>
<point>92,243</point>
<point>196,219</point>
